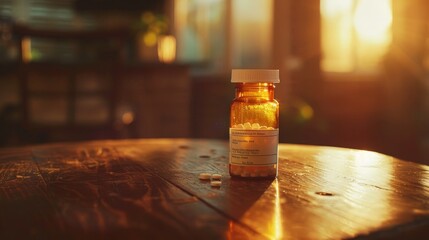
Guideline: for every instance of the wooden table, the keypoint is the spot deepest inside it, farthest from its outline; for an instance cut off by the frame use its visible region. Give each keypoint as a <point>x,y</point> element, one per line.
<point>149,189</point>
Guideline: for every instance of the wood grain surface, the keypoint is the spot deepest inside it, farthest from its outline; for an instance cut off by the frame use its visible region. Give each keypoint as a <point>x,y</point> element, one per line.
<point>149,189</point>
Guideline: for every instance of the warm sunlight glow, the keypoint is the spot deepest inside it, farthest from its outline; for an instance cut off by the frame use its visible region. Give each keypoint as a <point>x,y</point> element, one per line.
<point>277,227</point>
<point>356,34</point>
<point>251,32</point>
<point>372,20</point>
<point>364,158</point>
<point>371,169</point>
<point>336,35</point>
<point>332,8</point>
<point>167,49</point>
<point>424,179</point>
<point>265,215</point>
<point>362,177</point>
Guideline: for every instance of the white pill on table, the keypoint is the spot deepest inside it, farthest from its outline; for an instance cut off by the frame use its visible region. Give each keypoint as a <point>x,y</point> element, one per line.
<point>204,176</point>
<point>215,183</point>
<point>216,176</point>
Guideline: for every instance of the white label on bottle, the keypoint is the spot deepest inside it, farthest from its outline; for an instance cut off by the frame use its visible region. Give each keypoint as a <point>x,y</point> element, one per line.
<point>253,147</point>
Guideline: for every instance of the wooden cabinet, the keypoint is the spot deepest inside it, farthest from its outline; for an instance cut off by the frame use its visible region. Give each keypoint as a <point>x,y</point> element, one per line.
<point>97,93</point>
<point>70,103</point>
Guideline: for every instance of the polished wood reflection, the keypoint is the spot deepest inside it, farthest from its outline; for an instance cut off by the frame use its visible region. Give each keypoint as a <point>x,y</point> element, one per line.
<point>149,189</point>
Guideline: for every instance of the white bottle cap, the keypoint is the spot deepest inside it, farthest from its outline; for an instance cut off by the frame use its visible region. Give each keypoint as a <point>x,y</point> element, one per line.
<point>255,76</point>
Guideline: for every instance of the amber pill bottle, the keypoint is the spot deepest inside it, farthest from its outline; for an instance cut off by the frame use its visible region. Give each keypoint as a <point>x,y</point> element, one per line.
<point>254,124</point>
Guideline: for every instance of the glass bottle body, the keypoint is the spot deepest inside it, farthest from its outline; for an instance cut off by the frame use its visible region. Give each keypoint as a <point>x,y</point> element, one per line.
<point>254,126</point>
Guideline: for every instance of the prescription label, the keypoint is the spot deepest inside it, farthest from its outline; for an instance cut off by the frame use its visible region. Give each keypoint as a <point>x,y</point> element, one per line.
<point>253,147</point>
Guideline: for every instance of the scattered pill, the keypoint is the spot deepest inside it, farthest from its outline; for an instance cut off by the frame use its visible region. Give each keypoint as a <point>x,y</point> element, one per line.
<point>215,183</point>
<point>216,176</point>
<point>204,176</point>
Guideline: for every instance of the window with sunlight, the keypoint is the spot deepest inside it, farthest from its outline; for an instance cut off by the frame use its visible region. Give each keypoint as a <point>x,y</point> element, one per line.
<point>251,33</point>
<point>356,34</point>
<point>224,34</point>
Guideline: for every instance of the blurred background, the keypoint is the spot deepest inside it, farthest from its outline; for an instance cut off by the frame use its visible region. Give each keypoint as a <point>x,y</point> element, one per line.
<point>354,73</point>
